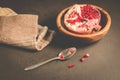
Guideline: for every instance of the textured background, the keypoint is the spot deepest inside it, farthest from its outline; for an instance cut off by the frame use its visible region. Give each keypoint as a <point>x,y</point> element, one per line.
<point>103,63</point>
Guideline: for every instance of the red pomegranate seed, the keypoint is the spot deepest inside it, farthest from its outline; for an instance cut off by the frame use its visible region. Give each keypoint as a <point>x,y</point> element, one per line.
<point>71,51</point>
<point>82,59</point>
<point>89,12</point>
<point>73,14</point>
<point>71,21</point>
<point>86,55</point>
<point>61,56</point>
<point>71,65</point>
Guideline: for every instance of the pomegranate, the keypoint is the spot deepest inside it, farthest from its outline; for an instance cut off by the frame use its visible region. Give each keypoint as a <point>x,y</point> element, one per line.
<point>82,18</point>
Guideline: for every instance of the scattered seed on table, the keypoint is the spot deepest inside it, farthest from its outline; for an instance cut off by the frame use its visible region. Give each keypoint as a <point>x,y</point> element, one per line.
<point>86,55</point>
<point>71,65</point>
<point>82,59</point>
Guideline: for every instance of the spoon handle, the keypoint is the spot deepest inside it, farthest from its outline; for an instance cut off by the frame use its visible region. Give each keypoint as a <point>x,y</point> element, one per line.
<point>39,64</point>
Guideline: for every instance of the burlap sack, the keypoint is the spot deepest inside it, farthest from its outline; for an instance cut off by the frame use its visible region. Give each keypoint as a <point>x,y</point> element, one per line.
<point>23,30</point>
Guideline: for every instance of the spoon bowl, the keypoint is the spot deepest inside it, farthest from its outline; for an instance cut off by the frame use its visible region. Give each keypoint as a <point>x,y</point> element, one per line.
<point>67,53</point>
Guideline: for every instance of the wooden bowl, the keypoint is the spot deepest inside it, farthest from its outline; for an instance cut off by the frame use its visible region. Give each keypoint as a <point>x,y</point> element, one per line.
<point>93,37</point>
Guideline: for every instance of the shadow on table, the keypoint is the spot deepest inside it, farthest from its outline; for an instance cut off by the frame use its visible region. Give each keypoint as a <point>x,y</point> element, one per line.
<point>63,41</point>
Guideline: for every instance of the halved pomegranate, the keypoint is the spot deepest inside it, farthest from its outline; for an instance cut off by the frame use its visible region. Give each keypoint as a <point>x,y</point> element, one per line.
<point>82,18</point>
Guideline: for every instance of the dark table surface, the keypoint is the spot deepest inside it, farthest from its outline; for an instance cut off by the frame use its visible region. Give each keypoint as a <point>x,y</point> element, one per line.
<point>104,60</point>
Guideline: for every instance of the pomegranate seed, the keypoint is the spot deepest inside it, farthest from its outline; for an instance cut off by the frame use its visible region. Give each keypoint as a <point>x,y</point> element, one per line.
<point>71,21</point>
<point>73,14</point>
<point>71,51</point>
<point>61,56</point>
<point>82,59</point>
<point>89,12</point>
<point>71,65</point>
<point>86,55</point>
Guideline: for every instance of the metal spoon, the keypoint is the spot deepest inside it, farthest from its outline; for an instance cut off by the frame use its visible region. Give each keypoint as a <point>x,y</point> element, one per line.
<point>63,55</point>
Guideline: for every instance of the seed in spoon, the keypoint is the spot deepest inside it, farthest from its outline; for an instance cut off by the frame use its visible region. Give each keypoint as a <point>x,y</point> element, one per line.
<point>62,56</point>
<point>71,50</point>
